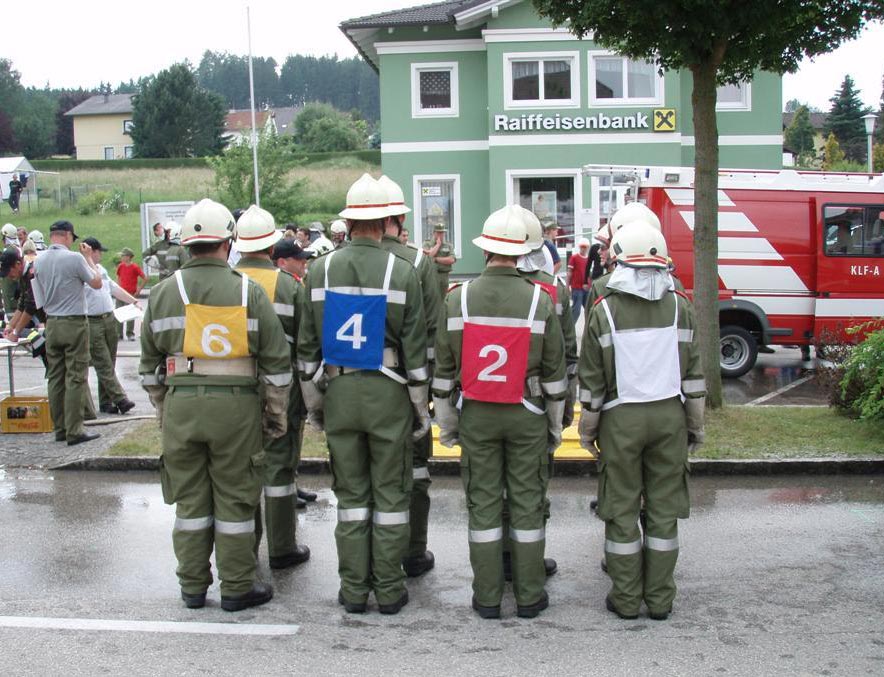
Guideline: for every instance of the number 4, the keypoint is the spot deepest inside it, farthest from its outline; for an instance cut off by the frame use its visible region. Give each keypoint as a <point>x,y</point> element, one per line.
<point>356,338</point>
<point>487,374</point>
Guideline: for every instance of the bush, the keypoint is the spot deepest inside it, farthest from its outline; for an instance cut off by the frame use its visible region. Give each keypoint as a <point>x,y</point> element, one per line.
<point>862,386</point>
<point>102,202</point>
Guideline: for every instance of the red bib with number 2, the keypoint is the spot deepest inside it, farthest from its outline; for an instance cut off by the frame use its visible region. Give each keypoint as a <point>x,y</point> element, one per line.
<point>494,356</point>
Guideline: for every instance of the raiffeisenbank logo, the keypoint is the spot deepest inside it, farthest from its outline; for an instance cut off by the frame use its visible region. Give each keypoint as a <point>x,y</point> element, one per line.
<point>530,122</point>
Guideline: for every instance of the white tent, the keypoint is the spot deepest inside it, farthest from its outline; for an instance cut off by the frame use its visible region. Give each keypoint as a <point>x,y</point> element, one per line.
<point>19,165</point>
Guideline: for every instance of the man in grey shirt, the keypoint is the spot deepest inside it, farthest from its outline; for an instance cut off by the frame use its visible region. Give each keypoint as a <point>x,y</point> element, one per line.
<point>59,276</point>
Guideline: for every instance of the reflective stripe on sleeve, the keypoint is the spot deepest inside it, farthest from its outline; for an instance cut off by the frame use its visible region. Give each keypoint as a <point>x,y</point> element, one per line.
<point>442,383</point>
<point>290,339</point>
<point>252,324</point>
<point>390,519</point>
<point>661,544</point>
<point>149,380</point>
<point>308,368</point>
<point>353,514</point>
<point>234,528</point>
<point>605,341</point>
<point>555,387</point>
<point>420,374</point>
<point>559,309</point>
<point>285,309</point>
<point>486,535</point>
<point>280,492</point>
<point>632,548</point>
<point>420,473</point>
<point>571,369</point>
<point>166,324</point>
<point>527,535</point>
<point>279,380</point>
<point>693,385</point>
<point>193,523</point>
<point>431,353</point>
<point>685,335</point>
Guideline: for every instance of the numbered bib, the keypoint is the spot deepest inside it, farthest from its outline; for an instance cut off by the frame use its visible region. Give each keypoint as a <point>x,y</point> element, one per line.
<point>353,330</point>
<point>266,278</point>
<point>215,332</point>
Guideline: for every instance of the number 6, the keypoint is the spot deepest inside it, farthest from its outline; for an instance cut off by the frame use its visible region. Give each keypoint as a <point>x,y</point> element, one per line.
<point>209,338</point>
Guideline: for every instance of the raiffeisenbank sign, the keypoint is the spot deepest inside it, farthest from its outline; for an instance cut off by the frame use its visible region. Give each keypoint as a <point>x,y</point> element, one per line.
<point>540,121</point>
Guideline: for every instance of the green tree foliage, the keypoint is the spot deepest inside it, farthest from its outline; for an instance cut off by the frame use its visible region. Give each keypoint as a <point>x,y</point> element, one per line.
<point>64,124</point>
<point>879,125</point>
<point>878,157</point>
<point>346,84</point>
<point>281,195</point>
<point>35,125</point>
<point>172,116</point>
<point>718,41</point>
<point>845,121</point>
<point>319,128</point>
<point>799,133</point>
<point>862,387</point>
<point>832,153</point>
<point>11,93</point>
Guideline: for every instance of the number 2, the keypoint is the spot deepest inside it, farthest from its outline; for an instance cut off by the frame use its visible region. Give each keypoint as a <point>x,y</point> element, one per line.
<point>487,374</point>
<point>356,338</point>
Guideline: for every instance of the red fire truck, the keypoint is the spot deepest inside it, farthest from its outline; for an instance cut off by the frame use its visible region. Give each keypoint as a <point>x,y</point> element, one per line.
<point>801,254</point>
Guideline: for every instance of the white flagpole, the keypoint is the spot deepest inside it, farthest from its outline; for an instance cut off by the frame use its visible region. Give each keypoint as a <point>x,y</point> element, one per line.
<point>252,97</point>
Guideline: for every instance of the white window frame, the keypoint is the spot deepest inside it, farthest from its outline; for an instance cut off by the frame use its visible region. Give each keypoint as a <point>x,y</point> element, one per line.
<point>419,235</point>
<point>128,152</point>
<point>113,153</point>
<point>576,174</point>
<point>745,103</point>
<point>127,127</point>
<point>623,102</point>
<point>416,111</point>
<point>510,57</point>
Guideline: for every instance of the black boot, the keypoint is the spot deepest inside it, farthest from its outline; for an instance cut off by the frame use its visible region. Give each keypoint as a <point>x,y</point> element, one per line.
<point>418,565</point>
<point>531,610</point>
<point>261,593</point>
<point>351,607</point>
<point>308,496</point>
<point>299,555</point>
<point>486,611</point>
<point>194,600</point>
<point>395,607</point>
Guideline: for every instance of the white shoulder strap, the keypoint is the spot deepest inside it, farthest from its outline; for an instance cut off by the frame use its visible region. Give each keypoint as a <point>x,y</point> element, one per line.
<point>608,313</point>
<point>418,257</point>
<point>534,301</point>
<point>391,259</point>
<point>675,321</point>
<point>327,262</point>
<point>245,290</point>
<point>180,281</point>
<point>463,302</point>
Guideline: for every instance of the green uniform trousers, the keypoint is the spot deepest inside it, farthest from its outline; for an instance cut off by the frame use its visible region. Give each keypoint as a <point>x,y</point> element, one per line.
<point>67,355</point>
<point>504,451</point>
<point>368,421</point>
<point>212,469</point>
<point>103,355</point>
<point>644,451</point>
<point>280,489</point>
<point>419,509</point>
<point>443,283</point>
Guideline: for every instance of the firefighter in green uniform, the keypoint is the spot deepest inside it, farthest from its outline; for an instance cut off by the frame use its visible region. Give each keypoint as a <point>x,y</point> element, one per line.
<point>256,236</point>
<point>499,352</point>
<point>209,337</point>
<point>158,249</point>
<point>176,254</point>
<point>442,252</point>
<point>419,560</point>
<point>363,332</point>
<point>643,396</point>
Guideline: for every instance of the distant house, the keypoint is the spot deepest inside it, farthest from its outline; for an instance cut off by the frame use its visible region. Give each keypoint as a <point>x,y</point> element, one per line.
<point>238,123</point>
<point>102,126</point>
<point>817,121</point>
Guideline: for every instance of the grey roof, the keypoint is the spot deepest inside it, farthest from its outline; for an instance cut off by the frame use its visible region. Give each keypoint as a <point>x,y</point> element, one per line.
<point>111,104</point>
<point>437,13</point>
<point>817,120</point>
<point>285,118</point>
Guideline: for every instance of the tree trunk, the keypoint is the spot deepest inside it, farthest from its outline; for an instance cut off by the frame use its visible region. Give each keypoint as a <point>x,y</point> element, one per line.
<point>706,226</point>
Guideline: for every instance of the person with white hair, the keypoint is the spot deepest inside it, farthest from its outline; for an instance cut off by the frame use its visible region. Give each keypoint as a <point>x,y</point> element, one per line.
<point>577,277</point>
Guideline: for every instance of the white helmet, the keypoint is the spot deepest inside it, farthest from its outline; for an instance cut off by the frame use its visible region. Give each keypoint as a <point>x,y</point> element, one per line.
<point>640,245</point>
<point>9,231</point>
<point>366,200</point>
<point>339,226</point>
<point>603,235</point>
<point>395,197</point>
<point>36,237</point>
<point>504,232</point>
<point>533,227</point>
<point>256,230</point>
<point>207,221</point>
<point>320,247</point>
<point>631,211</point>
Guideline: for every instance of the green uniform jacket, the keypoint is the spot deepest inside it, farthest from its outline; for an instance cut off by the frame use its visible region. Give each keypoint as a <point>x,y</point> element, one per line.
<point>424,268</point>
<point>502,292</point>
<point>563,312</point>
<point>176,256</point>
<point>445,251</point>
<point>157,249</point>
<point>211,282</point>
<point>363,264</point>
<point>597,372</point>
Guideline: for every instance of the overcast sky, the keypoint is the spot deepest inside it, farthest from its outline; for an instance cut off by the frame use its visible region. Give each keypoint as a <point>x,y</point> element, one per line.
<point>69,44</point>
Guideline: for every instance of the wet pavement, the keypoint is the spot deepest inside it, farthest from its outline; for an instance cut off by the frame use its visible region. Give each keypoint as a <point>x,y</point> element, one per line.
<point>776,576</point>
<point>778,378</point>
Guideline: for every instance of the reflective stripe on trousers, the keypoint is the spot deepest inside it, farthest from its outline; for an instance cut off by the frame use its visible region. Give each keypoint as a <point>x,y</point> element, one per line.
<point>280,492</point>
<point>193,524</point>
<point>632,548</point>
<point>486,535</point>
<point>234,528</point>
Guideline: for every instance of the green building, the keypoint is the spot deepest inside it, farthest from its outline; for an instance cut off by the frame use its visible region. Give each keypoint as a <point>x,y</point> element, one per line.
<point>483,103</point>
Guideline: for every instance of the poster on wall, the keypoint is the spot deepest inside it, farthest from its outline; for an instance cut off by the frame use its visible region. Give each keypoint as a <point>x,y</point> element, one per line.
<point>543,204</point>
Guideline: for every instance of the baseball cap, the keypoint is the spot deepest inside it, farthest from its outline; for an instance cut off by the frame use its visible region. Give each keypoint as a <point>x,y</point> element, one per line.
<point>8,259</point>
<point>125,251</point>
<point>63,226</point>
<point>95,244</point>
<point>288,249</point>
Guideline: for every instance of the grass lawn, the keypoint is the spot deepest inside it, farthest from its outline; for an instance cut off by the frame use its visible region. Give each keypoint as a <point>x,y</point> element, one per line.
<point>732,433</point>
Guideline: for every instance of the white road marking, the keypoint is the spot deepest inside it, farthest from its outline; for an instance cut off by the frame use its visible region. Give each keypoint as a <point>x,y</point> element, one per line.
<point>21,390</point>
<point>94,624</point>
<point>780,391</point>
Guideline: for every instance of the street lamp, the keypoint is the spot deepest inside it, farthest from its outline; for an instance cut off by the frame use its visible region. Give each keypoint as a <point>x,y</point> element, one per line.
<point>869,119</point>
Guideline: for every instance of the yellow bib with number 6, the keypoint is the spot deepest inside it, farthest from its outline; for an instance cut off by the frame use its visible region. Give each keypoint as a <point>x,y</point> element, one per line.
<point>215,332</point>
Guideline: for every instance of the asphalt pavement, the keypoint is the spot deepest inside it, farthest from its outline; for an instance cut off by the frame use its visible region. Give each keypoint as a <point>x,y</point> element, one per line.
<point>776,576</point>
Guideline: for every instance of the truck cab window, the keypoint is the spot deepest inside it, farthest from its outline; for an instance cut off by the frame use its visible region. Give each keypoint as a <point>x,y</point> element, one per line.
<point>853,230</point>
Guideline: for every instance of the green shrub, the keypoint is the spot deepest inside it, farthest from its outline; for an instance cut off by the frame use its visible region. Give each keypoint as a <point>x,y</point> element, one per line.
<point>862,386</point>
<point>102,202</point>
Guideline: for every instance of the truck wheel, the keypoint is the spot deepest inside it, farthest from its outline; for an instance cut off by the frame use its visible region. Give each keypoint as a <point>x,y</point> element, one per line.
<point>739,351</point>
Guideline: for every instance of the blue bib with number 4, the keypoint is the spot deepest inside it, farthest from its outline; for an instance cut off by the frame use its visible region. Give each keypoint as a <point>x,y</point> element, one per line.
<point>353,330</point>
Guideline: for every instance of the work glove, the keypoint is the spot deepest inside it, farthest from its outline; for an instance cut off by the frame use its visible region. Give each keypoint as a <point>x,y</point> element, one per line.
<point>156,394</point>
<point>314,400</point>
<point>275,420</point>
<point>420,401</point>
<point>589,428</point>
<point>570,401</point>
<point>695,414</point>
<point>555,409</point>
<point>448,420</point>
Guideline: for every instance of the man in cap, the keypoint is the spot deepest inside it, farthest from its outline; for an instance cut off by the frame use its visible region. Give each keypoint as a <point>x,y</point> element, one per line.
<point>364,321</point>
<point>256,238</point>
<point>499,350</point>
<point>442,253</point>
<point>339,233</point>
<point>59,276</point>
<point>643,395</point>
<point>209,338</point>
<point>288,256</point>
<point>419,560</point>
<point>103,337</point>
<point>550,231</point>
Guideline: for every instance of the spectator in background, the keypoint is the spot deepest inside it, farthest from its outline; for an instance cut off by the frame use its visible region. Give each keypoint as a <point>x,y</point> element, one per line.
<point>403,236</point>
<point>596,269</point>
<point>302,237</point>
<point>15,189</point>
<point>577,268</point>
<point>22,236</point>
<point>131,278</point>
<point>290,231</point>
<point>550,230</point>
<point>288,256</point>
